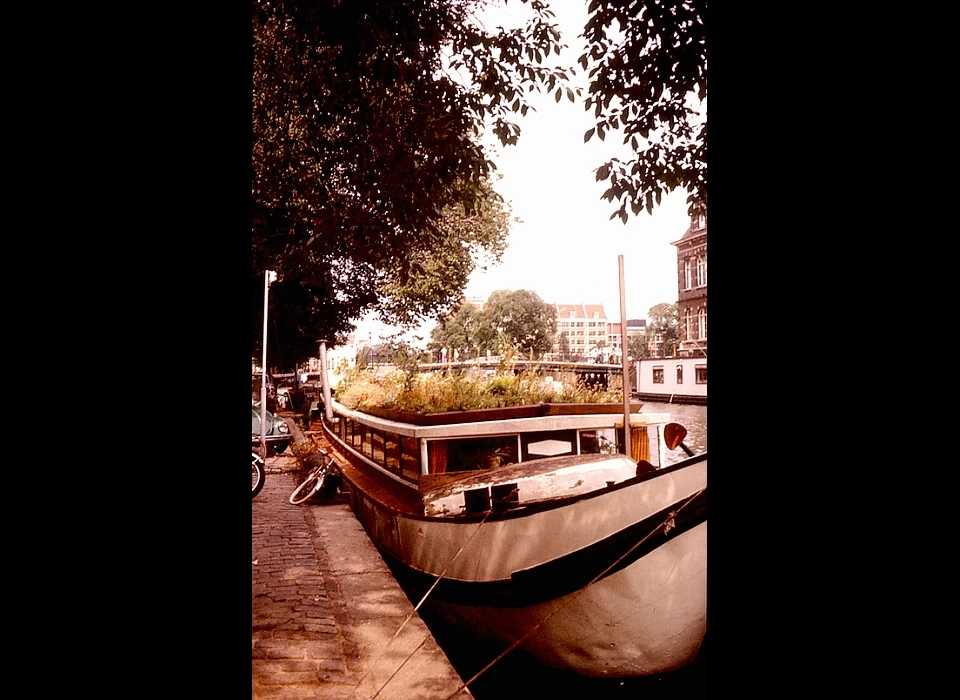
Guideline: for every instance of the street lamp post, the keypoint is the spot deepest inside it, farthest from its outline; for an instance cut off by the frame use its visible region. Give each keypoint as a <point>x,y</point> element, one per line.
<point>268,277</point>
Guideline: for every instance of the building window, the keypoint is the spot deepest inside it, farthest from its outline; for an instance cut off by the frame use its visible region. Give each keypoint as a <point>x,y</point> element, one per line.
<point>701,371</point>
<point>658,375</point>
<point>573,314</point>
<point>687,275</point>
<point>679,374</point>
<point>687,324</point>
<point>702,270</point>
<point>702,322</point>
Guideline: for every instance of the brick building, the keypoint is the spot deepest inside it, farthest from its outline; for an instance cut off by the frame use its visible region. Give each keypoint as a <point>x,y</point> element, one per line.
<point>692,285</point>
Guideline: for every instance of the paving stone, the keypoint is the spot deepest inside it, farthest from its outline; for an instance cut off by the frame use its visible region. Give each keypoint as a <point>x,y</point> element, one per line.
<point>325,608</point>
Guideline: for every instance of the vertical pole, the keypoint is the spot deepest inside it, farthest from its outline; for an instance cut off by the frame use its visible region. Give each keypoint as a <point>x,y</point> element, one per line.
<point>263,377</point>
<point>325,383</point>
<point>623,363</point>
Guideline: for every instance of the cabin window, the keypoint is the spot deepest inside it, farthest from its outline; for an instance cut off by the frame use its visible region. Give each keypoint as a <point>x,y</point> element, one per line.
<point>658,375</point>
<point>351,433</point>
<point>471,453</point>
<point>409,457</point>
<point>679,374</point>
<point>701,371</point>
<point>366,440</point>
<point>548,444</point>
<point>392,452</point>
<point>600,441</point>
<point>378,451</point>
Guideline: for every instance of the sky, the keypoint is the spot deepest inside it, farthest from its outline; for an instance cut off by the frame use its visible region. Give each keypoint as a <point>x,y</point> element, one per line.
<point>566,248</point>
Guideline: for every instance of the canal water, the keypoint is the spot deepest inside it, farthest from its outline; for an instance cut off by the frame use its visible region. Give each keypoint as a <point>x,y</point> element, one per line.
<point>515,677</point>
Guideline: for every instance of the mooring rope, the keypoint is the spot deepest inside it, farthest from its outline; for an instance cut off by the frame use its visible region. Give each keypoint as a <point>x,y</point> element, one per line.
<point>414,612</point>
<point>666,525</point>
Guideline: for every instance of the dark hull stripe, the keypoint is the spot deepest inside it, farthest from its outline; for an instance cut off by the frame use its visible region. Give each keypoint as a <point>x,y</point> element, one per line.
<point>566,574</point>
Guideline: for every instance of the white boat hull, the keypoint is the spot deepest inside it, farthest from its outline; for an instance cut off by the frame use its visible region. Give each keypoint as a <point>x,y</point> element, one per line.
<point>647,619</point>
<point>597,584</point>
<point>597,566</point>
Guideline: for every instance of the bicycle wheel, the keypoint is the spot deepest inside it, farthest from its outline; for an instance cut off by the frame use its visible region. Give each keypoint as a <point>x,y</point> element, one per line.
<point>259,472</point>
<point>310,486</point>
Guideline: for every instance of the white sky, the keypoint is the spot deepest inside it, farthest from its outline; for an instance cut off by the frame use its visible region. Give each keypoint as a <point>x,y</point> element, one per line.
<point>566,248</point>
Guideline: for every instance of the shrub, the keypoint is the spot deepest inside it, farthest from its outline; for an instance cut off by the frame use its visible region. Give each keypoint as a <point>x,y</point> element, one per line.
<point>455,391</point>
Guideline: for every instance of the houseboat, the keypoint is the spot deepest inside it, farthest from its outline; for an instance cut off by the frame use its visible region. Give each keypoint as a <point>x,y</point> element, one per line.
<point>671,380</point>
<point>531,527</point>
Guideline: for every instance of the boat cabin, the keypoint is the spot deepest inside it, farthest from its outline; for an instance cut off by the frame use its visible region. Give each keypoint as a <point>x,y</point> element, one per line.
<point>542,453</point>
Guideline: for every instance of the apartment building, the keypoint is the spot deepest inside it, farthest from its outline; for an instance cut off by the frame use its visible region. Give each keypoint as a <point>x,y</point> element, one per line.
<point>585,328</point>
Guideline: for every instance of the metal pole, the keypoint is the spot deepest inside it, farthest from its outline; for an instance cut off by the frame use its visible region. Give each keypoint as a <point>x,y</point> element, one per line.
<point>263,377</point>
<point>623,362</point>
<point>325,382</point>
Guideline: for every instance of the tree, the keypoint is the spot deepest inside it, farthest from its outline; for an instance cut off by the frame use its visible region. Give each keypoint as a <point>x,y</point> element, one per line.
<point>664,322</point>
<point>522,319</point>
<point>368,175</point>
<point>637,346</point>
<point>458,332</point>
<point>564,346</point>
<point>648,70</point>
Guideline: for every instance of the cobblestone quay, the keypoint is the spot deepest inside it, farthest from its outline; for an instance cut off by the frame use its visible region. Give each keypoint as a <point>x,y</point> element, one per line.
<point>326,609</point>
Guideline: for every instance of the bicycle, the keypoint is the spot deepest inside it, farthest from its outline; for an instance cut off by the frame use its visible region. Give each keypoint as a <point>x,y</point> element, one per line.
<point>259,471</point>
<point>325,478</point>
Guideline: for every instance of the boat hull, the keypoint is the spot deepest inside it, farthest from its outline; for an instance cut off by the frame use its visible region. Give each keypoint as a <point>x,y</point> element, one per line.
<point>608,583</point>
<point>646,619</point>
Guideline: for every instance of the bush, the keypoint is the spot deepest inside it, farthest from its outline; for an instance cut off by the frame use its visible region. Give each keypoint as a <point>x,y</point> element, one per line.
<point>454,391</point>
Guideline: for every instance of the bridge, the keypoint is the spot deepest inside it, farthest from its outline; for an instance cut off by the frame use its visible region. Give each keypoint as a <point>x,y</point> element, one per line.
<point>592,373</point>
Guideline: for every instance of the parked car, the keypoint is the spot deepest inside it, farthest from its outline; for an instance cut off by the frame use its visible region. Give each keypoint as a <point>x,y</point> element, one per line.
<point>277,436</point>
<point>271,391</point>
<point>287,385</point>
<point>311,389</point>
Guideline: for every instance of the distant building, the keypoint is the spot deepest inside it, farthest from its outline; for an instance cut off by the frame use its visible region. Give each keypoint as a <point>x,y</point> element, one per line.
<point>692,283</point>
<point>615,339</point>
<point>585,328</point>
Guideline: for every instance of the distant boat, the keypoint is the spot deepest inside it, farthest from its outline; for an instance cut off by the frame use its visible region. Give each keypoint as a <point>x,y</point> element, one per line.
<point>528,523</point>
<point>670,380</point>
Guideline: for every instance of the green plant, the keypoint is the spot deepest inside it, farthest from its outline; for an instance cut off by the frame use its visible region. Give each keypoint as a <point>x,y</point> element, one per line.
<point>457,391</point>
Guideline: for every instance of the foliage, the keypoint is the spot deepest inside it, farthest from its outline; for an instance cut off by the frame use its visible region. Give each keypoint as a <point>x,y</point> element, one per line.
<point>458,391</point>
<point>510,321</point>
<point>665,322</point>
<point>458,332</point>
<point>637,346</point>
<point>370,187</point>
<point>648,70</point>
<point>521,319</point>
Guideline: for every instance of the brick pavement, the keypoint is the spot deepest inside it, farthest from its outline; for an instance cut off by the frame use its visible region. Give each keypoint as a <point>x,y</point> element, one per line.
<point>326,608</point>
